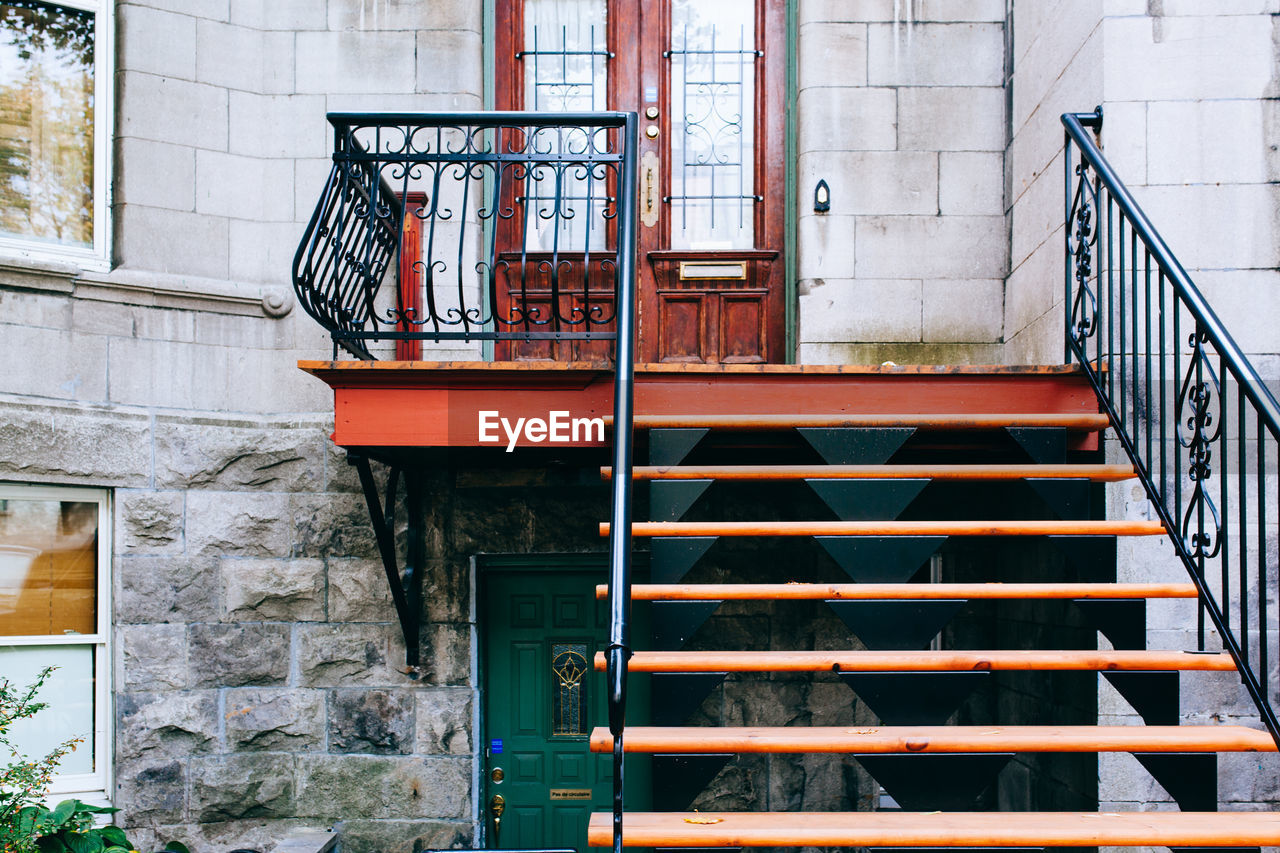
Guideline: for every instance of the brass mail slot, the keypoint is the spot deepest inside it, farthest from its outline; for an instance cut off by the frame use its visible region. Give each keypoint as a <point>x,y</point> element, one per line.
<point>570,793</point>
<point>712,269</point>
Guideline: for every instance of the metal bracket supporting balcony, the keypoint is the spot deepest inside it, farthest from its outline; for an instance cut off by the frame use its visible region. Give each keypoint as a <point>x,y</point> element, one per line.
<point>406,584</point>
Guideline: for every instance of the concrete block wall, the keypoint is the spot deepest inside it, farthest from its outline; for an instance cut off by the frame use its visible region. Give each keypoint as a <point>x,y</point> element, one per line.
<point>901,111</point>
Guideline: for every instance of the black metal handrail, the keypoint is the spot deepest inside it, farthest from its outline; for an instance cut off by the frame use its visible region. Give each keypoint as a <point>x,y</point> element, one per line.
<point>527,224</point>
<point>1128,302</point>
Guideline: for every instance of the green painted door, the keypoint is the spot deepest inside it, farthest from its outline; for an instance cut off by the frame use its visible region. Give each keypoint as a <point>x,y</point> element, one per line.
<point>542,627</point>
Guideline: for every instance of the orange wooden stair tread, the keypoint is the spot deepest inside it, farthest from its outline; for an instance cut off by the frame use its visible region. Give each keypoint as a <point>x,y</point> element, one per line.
<point>922,661</point>
<point>893,528</point>
<point>936,739</point>
<point>920,420</point>
<point>939,829</point>
<point>900,591</point>
<point>1097,473</point>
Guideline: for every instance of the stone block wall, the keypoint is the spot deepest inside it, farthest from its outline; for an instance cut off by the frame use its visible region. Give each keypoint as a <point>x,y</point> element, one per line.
<point>901,111</point>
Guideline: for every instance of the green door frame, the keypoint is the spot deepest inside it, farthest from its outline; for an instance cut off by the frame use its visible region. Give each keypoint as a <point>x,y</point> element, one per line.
<point>487,29</point>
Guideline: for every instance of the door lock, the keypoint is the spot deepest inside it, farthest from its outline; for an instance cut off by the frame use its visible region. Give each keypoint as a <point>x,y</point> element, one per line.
<point>649,177</point>
<point>497,775</point>
<point>497,805</point>
<point>651,131</point>
<point>651,113</point>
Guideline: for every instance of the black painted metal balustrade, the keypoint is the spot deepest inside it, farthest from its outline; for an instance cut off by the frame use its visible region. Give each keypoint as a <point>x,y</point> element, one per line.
<point>523,232</point>
<point>1187,405</point>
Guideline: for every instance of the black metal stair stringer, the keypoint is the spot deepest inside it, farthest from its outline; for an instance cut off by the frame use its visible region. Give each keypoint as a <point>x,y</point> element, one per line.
<point>406,586</point>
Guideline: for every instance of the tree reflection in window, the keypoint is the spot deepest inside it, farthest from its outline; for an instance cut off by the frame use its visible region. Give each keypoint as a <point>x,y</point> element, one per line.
<point>46,123</point>
<point>569,668</point>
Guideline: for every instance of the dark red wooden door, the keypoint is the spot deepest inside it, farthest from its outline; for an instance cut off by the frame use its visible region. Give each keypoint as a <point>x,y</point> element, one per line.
<point>708,79</point>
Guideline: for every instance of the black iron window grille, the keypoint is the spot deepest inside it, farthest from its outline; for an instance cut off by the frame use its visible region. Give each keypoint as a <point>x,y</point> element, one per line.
<point>1186,404</point>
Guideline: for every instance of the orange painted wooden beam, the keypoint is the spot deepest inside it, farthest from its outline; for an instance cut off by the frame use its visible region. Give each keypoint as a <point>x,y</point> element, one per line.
<point>886,740</point>
<point>930,420</point>
<point>1096,473</point>
<point>893,528</point>
<point>900,591</point>
<point>939,829</point>
<point>948,660</point>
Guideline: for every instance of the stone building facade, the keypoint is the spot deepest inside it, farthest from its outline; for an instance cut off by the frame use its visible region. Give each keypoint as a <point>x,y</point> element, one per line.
<point>256,678</point>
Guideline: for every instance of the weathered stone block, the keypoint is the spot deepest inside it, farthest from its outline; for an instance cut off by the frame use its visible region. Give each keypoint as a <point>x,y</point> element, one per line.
<point>71,366</point>
<point>278,15</point>
<point>166,109</point>
<point>403,836</point>
<point>371,721</point>
<point>273,719</point>
<point>167,589</point>
<point>350,61</point>
<point>193,244</point>
<point>333,786</point>
<point>215,9</point>
<point>963,310</point>
<point>951,118</point>
<point>154,657</point>
<point>1209,57</point>
<point>863,310</point>
<point>351,655</point>
<point>158,727</point>
<point>358,591</point>
<point>152,793</point>
<point>245,524</point>
<point>263,251</point>
<point>221,180</point>
<point>273,590</point>
<point>230,56</point>
<point>971,183</point>
<point>965,54</point>
<point>449,61</point>
<point>230,330</point>
<point>278,125</point>
<point>155,174</point>
<point>446,653</point>
<point>821,126</point>
<point>82,446</point>
<point>955,247</point>
<point>832,54</point>
<point>149,522</point>
<point>235,655</point>
<point>155,42</point>
<point>875,182</point>
<point>443,721</point>
<point>332,525</point>
<point>400,15</point>
<point>236,787</point>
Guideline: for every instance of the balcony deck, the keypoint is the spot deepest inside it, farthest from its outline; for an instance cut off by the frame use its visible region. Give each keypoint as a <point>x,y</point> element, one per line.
<point>438,404</point>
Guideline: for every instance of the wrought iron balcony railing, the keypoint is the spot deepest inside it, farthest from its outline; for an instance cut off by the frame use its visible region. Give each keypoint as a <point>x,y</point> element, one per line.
<point>467,227</point>
<point>1187,406</point>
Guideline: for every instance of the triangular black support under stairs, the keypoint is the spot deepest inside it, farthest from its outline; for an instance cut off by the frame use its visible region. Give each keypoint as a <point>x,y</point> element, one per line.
<point>936,781</point>
<point>679,779</point>
<point>914,698</point>
<point>674,622</point>
<point>867,500</point>
<point>676,695</point>
<point>1122,621</point>
<point>1190,778</point>
<point>881,559</point>
<point>856,445</point>
<point>671,446</point>
<point>1044,445</point>
<point>1093,558</point>
<point>1154,695</point>
<point>669,500</point>
<point>1067,498</point>
<point>884,625</point>
<point>671,557</point>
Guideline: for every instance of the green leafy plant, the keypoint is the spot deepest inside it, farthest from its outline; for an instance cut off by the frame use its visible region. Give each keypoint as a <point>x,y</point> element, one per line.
<point>24,782</point>
<point>68,828</point>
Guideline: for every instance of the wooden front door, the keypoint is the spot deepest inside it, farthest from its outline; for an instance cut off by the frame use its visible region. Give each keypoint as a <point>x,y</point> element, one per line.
<point>708,79</point>
<point>542,627</point>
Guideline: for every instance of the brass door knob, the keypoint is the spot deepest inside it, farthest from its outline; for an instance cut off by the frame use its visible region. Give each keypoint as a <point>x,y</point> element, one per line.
<point>651,131</point>
<point>497,805</point>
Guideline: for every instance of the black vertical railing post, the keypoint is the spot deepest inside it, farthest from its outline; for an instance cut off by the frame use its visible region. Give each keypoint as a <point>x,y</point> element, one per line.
<point>620,519</point>
<point>1192,420</point>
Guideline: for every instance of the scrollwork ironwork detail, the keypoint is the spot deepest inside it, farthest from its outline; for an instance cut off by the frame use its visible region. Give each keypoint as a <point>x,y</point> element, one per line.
<point>1199,424</point>
<point>1082,240</point>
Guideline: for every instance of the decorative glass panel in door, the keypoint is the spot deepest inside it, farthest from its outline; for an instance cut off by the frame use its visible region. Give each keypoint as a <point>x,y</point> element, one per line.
<point>708,79</point>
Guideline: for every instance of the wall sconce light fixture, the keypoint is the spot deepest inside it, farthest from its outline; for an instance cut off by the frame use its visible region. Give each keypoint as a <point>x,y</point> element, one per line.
<point>821,197</point>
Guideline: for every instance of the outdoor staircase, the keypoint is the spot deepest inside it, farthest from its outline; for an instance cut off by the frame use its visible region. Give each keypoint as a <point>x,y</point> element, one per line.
<point>900,487</point>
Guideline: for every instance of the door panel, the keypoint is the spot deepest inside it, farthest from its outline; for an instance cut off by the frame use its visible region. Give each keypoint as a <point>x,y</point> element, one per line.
<point>708,78</point>
<point>540,701</point>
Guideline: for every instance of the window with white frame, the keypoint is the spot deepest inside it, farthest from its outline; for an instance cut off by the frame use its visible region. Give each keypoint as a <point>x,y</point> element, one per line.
<point>55,129</point>
<point>55,549</point>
